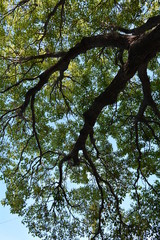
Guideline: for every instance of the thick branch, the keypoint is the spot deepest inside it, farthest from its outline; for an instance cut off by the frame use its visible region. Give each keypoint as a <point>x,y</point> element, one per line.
<point>87,43</point>
<point>137,55</point>
<point>148,100</point>
<point>151,23</point>
<point>41,56</point>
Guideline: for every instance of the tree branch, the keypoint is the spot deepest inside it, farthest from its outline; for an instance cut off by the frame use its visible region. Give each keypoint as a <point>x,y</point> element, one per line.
<point>151,23</point>
<point>51,14</point>
<point>87,43</point>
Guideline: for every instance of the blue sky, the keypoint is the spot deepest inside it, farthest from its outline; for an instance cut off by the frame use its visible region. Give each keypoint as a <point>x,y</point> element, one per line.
<point>11,227</point>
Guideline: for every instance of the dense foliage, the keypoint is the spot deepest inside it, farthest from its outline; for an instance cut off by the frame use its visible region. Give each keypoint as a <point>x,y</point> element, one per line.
<point>80,118</point>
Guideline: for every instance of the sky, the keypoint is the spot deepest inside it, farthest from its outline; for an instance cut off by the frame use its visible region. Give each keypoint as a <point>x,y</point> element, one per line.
<point>11,227</point>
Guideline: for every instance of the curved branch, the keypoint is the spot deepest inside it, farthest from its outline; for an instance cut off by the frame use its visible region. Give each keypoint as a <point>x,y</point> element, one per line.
<point>20,4</point>
<point>148,100</point>
<point>87,43</point>
<point>41,56</point>
<point>142,73</point>
<point>34,126</point>
<point>151,23</point>
<point>51,14</point>
<point>18,83</point>
<point>97,177</point>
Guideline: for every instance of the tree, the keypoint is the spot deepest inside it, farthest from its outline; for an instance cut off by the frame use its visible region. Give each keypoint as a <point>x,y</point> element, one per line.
<point>80,119</point>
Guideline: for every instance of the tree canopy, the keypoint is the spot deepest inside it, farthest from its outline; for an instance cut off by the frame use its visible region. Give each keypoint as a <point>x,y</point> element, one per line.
<point>80,118</point>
